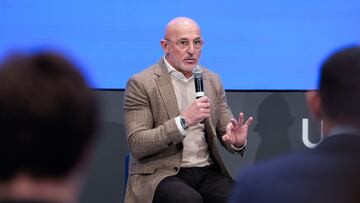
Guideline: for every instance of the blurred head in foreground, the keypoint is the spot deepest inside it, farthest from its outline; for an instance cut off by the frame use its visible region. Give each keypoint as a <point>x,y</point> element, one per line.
<point>330,171</point>
<point>47,124</point>
<point>338,100</point>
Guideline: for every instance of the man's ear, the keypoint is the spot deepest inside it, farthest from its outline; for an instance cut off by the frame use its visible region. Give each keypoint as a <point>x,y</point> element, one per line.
<point>314,104</point>
<point>164,45</point>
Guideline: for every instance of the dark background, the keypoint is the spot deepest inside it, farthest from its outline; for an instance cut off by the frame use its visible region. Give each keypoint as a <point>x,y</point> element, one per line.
<point>277,129</point>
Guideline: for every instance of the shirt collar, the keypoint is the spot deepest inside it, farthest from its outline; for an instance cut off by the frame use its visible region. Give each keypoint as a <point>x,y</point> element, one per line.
<point>175,73</point>
<point>168,66</point>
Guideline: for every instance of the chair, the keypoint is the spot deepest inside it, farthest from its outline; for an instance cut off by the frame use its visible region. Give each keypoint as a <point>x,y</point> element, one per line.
<point>126,171</point>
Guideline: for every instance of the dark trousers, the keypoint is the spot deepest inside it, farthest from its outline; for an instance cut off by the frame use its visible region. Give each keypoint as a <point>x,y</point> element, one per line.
<point>194,185</point>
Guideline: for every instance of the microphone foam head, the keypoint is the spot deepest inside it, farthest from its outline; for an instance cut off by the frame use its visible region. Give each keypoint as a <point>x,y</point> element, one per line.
<point>197,72</point>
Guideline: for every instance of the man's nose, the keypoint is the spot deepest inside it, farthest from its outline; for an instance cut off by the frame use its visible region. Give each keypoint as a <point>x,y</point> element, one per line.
<point>191,49</point>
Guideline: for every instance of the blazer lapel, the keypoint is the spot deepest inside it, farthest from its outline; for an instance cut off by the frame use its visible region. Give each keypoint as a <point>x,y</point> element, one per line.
<point>208,122</point>
<point>166,89</point>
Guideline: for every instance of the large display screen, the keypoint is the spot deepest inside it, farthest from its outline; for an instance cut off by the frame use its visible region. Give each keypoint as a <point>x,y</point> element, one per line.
<point>252,45</point>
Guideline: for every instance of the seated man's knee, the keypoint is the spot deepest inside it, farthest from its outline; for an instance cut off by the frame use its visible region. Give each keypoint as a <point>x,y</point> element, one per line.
<point>180,195</point>
<point>193,197</point>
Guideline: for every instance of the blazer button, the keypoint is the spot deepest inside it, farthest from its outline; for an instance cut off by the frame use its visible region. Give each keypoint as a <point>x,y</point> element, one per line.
<point>176,169</point>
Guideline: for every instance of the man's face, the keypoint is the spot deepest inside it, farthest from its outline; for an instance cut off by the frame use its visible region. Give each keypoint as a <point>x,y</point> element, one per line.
<point>183,47</point>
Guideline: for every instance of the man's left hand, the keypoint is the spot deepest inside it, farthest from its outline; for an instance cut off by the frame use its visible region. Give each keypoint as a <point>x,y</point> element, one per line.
<point>236,131</point>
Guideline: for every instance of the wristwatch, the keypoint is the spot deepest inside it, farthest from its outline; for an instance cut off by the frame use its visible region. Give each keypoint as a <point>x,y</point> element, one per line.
<point>183,122</point>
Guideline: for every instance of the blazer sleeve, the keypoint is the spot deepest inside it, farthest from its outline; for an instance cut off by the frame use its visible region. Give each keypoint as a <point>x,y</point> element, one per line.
<point>143,137</point>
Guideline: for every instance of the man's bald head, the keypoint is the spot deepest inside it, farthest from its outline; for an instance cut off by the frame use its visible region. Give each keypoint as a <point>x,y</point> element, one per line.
<point>180,24</point>
<point>182,44</point>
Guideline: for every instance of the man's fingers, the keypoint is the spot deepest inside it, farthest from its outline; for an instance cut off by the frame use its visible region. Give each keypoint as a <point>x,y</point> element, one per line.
<point>204,105</point>
<point>225,138</point>
<point>205,111</point>
<point>203,99</point>
<point>234,123</point>
<point>249,121</point>
<point>229,128</point>
<point>241,118</point>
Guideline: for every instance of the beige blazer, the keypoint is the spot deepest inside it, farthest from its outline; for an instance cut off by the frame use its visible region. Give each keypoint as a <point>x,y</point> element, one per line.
<point>154,140</point>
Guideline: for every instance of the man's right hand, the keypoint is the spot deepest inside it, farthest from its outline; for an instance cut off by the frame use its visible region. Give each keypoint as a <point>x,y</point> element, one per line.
<point>197,111</point>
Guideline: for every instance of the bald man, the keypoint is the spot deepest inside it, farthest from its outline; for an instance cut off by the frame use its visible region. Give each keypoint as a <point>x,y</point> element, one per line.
<point>171,134</point>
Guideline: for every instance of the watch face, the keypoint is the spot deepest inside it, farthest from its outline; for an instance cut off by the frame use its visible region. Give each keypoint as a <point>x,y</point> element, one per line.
<point>183,123</point>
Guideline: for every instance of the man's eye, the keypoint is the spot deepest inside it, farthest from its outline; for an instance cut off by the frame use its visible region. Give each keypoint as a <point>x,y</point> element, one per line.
<point>184,43</point>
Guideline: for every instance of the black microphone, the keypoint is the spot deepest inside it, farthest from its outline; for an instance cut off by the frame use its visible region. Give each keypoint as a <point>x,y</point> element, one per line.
<point>199,87</point>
